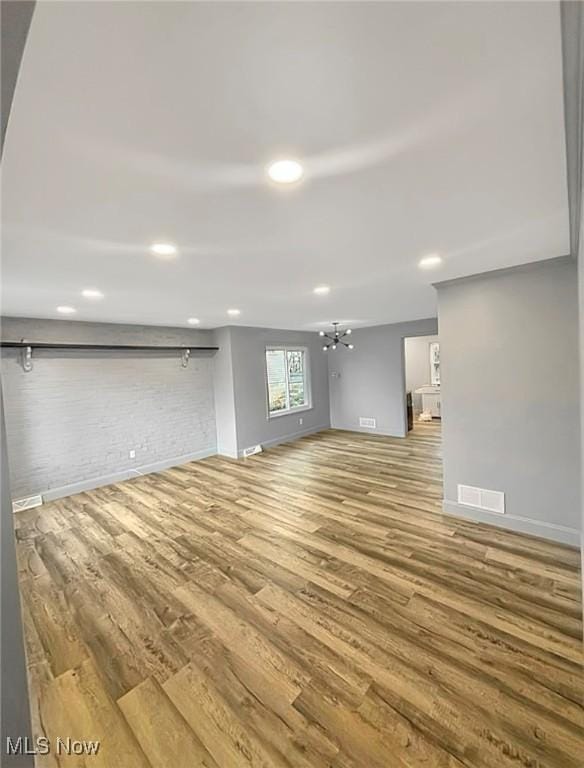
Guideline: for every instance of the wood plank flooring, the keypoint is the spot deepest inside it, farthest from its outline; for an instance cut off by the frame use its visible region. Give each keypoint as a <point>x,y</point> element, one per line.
<point>310,607</point>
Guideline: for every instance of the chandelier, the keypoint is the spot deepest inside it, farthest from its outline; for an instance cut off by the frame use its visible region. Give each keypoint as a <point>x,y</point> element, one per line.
<point>336,337</point>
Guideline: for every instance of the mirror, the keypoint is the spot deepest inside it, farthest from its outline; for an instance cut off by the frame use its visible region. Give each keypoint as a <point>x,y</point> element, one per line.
<point>435,363</point>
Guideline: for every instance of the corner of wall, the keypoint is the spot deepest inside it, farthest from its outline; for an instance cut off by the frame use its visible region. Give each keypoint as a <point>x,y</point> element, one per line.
<point>543,530</point>
<point>224,393</point>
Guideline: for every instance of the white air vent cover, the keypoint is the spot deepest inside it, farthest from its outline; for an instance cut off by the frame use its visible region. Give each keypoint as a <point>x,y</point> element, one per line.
<point>490,501</point>
<point>28,503</point>
<point>252,450</point>
<point>366,422</point>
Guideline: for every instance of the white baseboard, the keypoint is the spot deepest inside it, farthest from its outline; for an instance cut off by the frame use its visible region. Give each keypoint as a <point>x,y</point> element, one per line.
<point>543,530</point>
<point>289,438</point>
<point>227,452</point>
<point>367,431</point>
<point>145,469</point>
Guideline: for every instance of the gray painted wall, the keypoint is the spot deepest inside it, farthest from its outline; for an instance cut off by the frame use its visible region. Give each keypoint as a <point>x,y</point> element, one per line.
<point>572,16</point>
<point>248,346</point>
<point>417,355</point>
<point>510,395</point>
<point>15,707</point>
<point>72,421</point>
<point>14,704</point>
<point>16,16</point>
<point>370,379</point>
<point>580,262</point>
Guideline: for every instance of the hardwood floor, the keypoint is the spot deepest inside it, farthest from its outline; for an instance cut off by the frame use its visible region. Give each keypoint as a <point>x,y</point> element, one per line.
<point>310,607</point>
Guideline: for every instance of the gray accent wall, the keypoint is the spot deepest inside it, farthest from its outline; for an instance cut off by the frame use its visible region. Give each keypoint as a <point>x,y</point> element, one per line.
<point>572,26</point>
<point>15,715</point>
<point>510,395</point>
<point>580,263</point>
<point>14,702</point>
<point>73,420</point>
<point>16,16</point>
<point>249,423</point>
<point>572,16</point>
<point>369,380</point>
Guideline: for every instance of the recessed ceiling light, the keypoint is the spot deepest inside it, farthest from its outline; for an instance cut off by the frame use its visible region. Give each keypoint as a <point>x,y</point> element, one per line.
<point>193,321</point>
<point>285,171</point>
<point>163,249</point>
<point>233,312</point>
<point>429,261</point>
<point>65,310</point>
<point>92,293</point>
<point>322,290</point>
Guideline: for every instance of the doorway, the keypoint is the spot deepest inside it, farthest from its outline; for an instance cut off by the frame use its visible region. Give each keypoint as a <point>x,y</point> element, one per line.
<point>422,380</point>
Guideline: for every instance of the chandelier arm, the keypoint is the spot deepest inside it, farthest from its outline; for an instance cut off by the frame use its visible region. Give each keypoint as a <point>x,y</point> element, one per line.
<point>335,338</point>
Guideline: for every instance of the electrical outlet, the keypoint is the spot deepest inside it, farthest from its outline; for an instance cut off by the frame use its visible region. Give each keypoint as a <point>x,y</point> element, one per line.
<point>300,420</point>
<point>132,454</point>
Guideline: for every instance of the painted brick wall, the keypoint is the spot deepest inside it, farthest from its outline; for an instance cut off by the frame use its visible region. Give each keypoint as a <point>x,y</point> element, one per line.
<point>76,416</point>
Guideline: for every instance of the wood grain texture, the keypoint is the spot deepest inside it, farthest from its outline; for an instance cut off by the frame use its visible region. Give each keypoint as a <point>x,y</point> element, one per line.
<point>310,606</point>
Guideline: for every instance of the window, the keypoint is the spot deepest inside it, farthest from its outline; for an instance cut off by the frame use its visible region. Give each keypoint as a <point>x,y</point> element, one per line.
<point>287,376</point>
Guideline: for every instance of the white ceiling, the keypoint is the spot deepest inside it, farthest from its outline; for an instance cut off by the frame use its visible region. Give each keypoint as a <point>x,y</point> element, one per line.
<point>422,128</point>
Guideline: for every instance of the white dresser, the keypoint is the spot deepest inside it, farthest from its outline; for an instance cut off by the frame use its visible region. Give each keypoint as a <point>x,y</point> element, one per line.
<point>430,400</point>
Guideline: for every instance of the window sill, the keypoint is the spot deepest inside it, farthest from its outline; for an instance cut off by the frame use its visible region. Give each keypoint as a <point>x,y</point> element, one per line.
<point>290,412</point>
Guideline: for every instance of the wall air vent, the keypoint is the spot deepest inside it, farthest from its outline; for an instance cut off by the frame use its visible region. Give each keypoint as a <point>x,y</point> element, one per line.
<point>252,450</point>
<point>18,505</point>
<point>367,422</point>
<point>480,498</point>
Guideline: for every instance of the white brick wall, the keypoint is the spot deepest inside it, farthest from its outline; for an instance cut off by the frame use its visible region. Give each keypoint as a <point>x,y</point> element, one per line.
<point>76,416</point>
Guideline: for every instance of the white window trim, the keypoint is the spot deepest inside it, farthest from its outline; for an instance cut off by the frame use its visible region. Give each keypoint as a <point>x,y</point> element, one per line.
<point>298,408</point>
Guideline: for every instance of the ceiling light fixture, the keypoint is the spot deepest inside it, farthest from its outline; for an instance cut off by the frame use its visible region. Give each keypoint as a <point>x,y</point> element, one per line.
<point>336,337</point>
<point>193,321</point>
<point>92,293</point>
<point>285,171</point>
<point>65,310</point>
<point>322,290</point>
<point>432,260</point>
<point>233,312</point>
<point>163,249</point>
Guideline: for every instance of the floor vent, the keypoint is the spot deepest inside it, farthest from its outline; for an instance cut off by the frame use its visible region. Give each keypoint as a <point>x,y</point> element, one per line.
<point>252,450</point>
<point>366,422</point>
<point>480,498</point>
<point>28,503</point>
